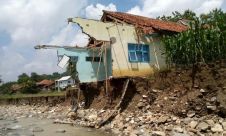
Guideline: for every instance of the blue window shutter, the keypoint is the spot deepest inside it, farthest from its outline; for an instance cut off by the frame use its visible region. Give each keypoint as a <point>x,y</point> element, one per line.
<point>138,52</point>
<point>132,52</point>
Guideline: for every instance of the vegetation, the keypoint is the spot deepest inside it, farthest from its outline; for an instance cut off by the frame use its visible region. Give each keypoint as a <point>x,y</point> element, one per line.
<point>9,96</point>
<point>203,42</point>
<point>27,84</point>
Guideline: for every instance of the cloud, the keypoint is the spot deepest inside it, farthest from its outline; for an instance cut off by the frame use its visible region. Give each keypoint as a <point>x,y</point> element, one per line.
<point>28,23</point>
<point>154,8</point>
<point>95,11</point>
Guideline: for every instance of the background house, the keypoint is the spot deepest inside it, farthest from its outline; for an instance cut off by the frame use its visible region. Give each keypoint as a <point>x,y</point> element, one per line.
<point>45,84</point>
<point>63,82</point>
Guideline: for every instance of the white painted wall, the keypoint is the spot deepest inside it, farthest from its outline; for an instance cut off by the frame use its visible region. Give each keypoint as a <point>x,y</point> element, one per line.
<point>124,34</point>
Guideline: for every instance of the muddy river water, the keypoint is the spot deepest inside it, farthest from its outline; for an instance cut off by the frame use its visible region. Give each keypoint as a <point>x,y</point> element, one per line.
<point>44,127</point>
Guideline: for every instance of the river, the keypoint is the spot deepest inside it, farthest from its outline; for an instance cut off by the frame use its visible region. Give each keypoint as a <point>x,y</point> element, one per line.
<point>44,127</point>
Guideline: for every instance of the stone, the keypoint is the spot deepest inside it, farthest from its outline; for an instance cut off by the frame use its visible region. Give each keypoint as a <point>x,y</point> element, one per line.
<point>140,105</point>
<point>60,131</point>
<point>144,96</point>
<point>178,129</point>
<point>203,126</point>
<point>210,122</point>
<point>72,115</point>
<point>37,129</point>
<point>162,119</point>
<point>81,113</point>
<point>213,99</point>
<point>193,124</point>
<point>13,134</point>
<point>92,117</point>
<point>191,114</point>
<point>158,133</point>
<point>217,128</point>
<point>224,125</point>
<point>211,107</point>
<point>202,91</point>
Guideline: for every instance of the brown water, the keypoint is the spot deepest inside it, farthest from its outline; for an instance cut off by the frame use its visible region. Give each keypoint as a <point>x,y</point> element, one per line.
<point>25,127</point>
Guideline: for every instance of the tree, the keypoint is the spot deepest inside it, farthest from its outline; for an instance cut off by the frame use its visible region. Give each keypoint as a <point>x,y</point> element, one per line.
<point>176,16</point>
<point>23,78</point>
<point>1,79</point>
<point>35,77</point>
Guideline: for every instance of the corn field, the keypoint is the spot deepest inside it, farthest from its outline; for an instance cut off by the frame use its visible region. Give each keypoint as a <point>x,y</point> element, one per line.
<point>204,41</point>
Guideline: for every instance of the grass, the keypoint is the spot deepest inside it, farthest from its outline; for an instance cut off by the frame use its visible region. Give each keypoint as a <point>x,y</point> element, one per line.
<point>42,94</point>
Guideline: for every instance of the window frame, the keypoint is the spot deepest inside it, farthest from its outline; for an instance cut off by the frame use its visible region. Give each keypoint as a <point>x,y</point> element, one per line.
<point>141,48</point>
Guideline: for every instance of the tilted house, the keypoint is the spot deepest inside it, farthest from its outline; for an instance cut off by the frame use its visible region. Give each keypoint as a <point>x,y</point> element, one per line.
<point>120,45</point>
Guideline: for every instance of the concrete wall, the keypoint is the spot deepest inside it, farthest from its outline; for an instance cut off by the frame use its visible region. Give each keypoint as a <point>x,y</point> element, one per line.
<point>122,35</point>
<point>87,70</point>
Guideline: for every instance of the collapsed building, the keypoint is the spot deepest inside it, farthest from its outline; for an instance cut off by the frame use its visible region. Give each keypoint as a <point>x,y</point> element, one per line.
<point>120,45</point>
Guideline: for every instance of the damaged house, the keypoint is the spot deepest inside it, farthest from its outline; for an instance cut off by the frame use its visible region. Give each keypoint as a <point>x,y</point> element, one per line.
<point>120,45</point>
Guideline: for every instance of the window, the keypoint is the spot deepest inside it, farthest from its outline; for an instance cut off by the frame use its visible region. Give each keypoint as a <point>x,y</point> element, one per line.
<point>94,59</point>
<point>138,52</point>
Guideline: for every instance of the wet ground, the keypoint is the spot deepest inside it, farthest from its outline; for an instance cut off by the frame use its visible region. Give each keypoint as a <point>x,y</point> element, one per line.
<point>44,127</point>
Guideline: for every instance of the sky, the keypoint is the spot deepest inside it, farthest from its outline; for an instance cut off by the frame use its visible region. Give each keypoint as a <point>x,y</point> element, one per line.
<point>26,23</point>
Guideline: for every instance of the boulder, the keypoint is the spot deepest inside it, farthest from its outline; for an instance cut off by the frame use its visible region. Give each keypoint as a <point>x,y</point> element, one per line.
<point>193,124</point>
<point>158,133</point>
<point>178,129</point>
<point>210,122</point>
<point>140,105</point>
<point>203,126</point>
<point>224,125</point>
<point>211,107</point>
<point>217,128</point>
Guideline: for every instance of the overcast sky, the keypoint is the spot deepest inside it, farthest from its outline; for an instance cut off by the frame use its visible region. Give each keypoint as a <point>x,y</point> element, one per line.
<point>25,23</point>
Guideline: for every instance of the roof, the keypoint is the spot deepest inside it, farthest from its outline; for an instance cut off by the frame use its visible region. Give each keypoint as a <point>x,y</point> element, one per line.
<point>64,78</point>
<point>148,25</point>
<point>45,82</point>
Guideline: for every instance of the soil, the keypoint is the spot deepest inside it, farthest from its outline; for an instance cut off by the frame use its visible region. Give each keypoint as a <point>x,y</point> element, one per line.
<point>169,91</point>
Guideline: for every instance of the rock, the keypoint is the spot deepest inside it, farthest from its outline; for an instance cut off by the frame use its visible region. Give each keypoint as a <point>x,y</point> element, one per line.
<point>191,114</point>
<point>140,105</point>
<point>178,129</point>
<point>158,133</point>
<point>60,131</point>
<point>203,126</point>
<point>210,122</point>
<point>213,99</point>
<point>217,128</point>
<point>198,108</point>
<point>193,124</point>
<point>144,96</point>
<point>14,127</point>
<point>92,117</point>
<point>211,107</point>
<point>202,91</point>
<point>163,119</point>
<point>13,134</point>
<point>72,115</point>
<point>81,113</point>
<point>127,119</point>
<point>224,125</point>
<point>37,129</point>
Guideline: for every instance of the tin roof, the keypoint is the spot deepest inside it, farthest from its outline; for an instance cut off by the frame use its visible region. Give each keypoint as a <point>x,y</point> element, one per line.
<point>148,25</point>
<point>64,78</point>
